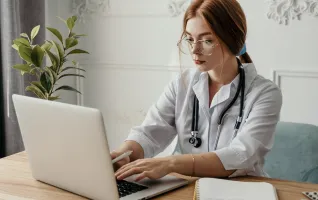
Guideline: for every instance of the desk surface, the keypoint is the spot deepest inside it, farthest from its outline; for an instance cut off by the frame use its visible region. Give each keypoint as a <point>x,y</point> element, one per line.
<point>16,183</point>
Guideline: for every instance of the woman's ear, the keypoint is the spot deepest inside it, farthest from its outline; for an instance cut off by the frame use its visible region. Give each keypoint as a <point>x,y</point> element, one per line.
<point>225,51</point>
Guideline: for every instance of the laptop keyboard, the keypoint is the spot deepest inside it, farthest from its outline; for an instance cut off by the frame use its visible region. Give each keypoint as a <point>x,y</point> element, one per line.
<point>126,188</point>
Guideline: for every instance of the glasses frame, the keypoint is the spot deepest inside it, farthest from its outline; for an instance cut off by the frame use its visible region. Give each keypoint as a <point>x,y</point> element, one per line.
<point>194,43</point>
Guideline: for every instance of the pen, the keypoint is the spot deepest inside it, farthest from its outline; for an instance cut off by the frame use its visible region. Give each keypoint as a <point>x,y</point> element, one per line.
<point>121,156</point>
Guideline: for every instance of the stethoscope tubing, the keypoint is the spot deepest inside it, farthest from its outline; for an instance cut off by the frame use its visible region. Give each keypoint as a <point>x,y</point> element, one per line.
<point>195,113</point>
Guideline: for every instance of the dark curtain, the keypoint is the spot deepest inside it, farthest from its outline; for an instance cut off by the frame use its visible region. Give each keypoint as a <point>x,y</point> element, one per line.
<point>17,16</point>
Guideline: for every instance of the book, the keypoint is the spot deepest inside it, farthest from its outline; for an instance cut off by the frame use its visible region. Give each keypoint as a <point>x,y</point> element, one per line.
<point>222,189</point>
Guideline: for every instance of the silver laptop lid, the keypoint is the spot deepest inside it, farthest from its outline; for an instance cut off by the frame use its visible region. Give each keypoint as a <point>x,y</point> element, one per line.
<point>67,146</point>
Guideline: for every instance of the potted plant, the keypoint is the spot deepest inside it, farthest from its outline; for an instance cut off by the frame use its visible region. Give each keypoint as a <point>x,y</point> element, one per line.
<point>58,52</point>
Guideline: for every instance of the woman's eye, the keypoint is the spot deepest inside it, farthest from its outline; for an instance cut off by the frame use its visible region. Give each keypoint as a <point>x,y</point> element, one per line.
<point>189,39</point>
<point>209,42</point>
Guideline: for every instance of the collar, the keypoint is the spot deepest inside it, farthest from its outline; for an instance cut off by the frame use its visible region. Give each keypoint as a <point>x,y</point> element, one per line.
<point>201,88</point>
<point>250,75</point>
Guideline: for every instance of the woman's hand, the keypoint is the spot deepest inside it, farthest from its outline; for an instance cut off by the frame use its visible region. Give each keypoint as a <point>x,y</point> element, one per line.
<point>153,168</point>
<point>121,162</point>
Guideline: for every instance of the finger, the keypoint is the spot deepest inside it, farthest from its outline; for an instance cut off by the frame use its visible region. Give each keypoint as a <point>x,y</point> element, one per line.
<point>113,154</point>
<point>129,173</point>
<point>127,165</point>
<point>142,176</point>
<point>121,163</point>
<point>124,169</point>
<point>118,165</point>
<point>137,163</point>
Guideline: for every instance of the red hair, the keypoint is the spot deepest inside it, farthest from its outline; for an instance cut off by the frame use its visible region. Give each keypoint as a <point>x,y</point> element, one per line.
<point>227,20</point>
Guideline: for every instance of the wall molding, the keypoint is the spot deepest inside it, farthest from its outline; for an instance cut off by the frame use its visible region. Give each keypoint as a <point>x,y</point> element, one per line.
<point>282,11</point>
<point>278,74</point>
<point>177,7</point>
<point>86,10</point>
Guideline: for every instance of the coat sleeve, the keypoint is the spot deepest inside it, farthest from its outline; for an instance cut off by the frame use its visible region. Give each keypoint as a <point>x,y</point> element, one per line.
<point>256,136</point>
<point>158,128</point>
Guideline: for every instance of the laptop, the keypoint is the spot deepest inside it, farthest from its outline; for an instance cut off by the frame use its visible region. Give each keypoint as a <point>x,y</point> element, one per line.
<point>67,148</point>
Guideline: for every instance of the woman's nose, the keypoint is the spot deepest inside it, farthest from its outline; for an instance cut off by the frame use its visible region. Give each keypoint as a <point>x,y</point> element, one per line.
<point>196,48</point>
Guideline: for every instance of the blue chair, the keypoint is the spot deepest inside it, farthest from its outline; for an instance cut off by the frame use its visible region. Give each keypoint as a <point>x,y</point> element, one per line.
<point>294,155</point>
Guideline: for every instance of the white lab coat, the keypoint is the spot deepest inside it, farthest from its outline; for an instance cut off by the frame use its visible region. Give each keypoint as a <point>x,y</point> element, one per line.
<point>171,116</point>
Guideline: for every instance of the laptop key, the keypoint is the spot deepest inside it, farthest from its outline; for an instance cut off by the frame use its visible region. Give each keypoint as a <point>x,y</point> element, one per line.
<point>126,188</point>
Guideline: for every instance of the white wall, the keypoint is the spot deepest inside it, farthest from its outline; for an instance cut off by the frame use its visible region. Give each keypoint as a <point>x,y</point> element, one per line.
<point>132,60</point>
<point>288,54</point>
<point>133,56</point>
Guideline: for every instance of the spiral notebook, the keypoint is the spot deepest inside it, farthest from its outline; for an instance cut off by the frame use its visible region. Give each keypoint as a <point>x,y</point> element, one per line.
<point>221,189</point>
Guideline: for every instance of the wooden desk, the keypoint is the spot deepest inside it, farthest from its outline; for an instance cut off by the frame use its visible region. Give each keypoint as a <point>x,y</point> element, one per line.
<point>16,183</point>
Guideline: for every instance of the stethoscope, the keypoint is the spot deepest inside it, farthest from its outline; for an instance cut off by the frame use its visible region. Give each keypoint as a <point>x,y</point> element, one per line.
<point>195,140</point>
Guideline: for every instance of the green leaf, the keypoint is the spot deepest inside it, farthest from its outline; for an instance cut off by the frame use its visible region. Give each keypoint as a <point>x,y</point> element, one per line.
<point>25,53</point>
<point>53,98</point>
<point>67,68</point>
<point>77,51</point>
<point>25,35</point>
<point>70,23</point>
<point>32,71</point>
<point>51,76</point>
<point>35,31</point>
<point>72,34</point>
<point>53,73</point>
<point>62,19</point>
<point>66,87</point>
<point>56,33</point>
<point>21,41</point>
<point>70,75</point>
<point>74,62</point>
<point>37,55</point>
<point>46,46</point>
<point>54,59</point>
<point>38,85</point>
<point>70,42</point>
<point>16,47</point>
<point>36,91</point>
<point>59,50</point>
<point>78,36</point>
<point>45,81</point>
<point>23,67</point>
<point>74,18</point>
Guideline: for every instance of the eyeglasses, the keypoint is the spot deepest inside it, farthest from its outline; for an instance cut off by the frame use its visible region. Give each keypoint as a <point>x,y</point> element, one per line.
<point>204,47</point>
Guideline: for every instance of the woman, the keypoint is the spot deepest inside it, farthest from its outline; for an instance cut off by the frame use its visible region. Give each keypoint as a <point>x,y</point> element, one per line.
<point>215,32</point>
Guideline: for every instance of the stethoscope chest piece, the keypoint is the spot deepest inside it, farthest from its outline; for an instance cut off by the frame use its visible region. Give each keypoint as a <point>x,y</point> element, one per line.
<point>194,140</point>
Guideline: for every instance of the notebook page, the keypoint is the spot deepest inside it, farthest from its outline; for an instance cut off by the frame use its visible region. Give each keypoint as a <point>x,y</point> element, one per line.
<point>220,189</point>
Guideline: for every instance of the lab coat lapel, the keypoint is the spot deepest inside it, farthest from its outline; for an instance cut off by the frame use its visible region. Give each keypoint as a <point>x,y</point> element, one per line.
<point>222,95</point>
<point>200,89</point>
